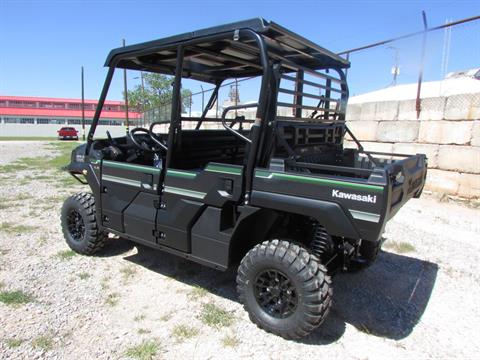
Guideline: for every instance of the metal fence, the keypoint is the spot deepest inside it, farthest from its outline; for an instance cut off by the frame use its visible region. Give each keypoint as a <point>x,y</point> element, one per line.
<point>423,59</point>
<point>432,54</point>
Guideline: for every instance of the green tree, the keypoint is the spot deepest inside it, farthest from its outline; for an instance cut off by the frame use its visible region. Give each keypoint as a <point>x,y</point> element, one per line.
<point>156,93</point>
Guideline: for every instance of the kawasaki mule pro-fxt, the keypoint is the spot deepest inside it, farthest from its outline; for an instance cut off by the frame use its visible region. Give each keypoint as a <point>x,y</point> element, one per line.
<point>277,193</point>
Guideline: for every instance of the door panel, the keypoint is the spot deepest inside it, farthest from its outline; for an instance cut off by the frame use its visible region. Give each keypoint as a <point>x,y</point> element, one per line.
<point>121,184</point>
<point>187,193</point>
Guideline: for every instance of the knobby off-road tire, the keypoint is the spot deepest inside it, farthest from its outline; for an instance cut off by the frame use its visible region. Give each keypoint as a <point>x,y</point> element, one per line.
<point>284,288</point>
<point>79,224</point>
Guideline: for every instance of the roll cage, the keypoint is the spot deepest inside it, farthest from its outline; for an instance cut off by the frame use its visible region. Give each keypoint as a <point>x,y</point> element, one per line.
<point>245,49</point>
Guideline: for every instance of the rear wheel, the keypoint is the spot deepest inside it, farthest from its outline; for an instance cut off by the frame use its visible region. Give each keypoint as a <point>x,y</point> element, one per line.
<point>79,224</point>
<point>284,289</point>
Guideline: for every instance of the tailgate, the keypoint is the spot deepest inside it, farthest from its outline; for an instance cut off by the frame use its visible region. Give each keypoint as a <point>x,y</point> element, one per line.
<point>406,180</point>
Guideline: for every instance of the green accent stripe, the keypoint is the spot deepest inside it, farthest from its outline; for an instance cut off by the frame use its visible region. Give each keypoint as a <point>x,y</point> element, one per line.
<point>184,192</point>
<point>119,180</point>
<point>224,169</point>
<point>313,180</point>
<point>183,174</point>
<point>134,167</point>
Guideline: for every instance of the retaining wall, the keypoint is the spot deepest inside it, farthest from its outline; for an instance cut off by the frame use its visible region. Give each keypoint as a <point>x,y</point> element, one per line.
<point>447,131</point>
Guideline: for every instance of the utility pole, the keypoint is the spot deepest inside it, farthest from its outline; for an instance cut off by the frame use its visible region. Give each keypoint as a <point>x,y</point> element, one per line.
<point>125,88</point>
<point>422,58</point>
<point>83,107</point>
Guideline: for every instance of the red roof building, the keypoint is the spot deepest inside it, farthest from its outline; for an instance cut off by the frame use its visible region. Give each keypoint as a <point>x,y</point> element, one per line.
<point>40,110</point>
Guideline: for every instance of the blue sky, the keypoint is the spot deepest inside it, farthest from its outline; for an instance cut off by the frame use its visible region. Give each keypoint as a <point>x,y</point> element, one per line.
<point>43,44</point>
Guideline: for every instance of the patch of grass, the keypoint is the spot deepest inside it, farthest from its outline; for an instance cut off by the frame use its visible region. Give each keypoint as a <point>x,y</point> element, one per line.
<point>215,316</point>
<point>104,283</point>
<point>128,272</point>
<point>54,200</point>
<point>112,299</point>
<point>13,343</point>
<point>139,317</point>
<point>401,247</point>
<point>143,351</point>
<point>43,163</point>
<point>16,297</point>
<point>4,205</point>
<point>42,240</point>
<point>66,254</point>
<point>197,292</point>
<point>12,229</point>
<point>230,341</point>
<point>83,275</point>
<point>183,332</point>
<point>143,331</point>
<point>12,168</point>
<point>44,342</point>
<point>26,138</point>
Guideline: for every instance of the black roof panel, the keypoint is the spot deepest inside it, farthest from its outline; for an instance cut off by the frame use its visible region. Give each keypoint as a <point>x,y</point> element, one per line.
<point>226,58</point>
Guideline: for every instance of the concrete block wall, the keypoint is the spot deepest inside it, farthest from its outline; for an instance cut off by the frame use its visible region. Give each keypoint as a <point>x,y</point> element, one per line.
<point>447,131</point>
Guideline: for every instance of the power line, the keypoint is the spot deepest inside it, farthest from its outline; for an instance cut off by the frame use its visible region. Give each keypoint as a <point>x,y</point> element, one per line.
<point>458,22</point>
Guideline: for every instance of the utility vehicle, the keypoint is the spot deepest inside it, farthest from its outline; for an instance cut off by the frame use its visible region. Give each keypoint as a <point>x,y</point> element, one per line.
<point>277,194</point>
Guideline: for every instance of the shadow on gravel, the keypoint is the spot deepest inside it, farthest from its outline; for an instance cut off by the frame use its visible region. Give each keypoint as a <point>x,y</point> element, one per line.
<point>387,299</point>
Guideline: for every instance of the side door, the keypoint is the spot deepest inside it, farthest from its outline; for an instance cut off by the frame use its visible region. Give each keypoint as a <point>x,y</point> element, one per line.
<point>187,193</point>
<point>130,195</point>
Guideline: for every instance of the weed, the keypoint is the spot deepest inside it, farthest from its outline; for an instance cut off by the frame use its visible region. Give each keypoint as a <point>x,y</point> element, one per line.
<point>112,299</point>
<point>128,272</point>
<point>12,229</point>
<point>182,332</point>
<point>139,317</point>
<point>230,341</point>
<point>197,292</point>
<point>83,275</point>
<point>16,297</point>
<point>42,240</point>
<point>13,343</point>
<point>66,254</point>
<point>2,284</point>
<point>143,351</point>
<point>400,247</point>
<point>4,205</point>
<point>143,331</point>
<point>215,316</point>
<point>43,342</point>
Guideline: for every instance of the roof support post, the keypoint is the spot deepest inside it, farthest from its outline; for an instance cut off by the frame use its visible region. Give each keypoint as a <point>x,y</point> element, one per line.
<point>98,110</point>
<point>176,103</point>
<point>256,130</point>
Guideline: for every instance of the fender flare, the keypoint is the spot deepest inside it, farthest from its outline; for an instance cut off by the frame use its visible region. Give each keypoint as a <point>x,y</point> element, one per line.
<point>329,214</point>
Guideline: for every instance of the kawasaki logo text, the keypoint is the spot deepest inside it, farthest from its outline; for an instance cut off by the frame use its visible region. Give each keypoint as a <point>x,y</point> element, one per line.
<point>356,197</point>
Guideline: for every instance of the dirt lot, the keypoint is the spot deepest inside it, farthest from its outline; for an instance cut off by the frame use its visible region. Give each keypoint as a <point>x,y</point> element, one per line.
<point>419,300</point>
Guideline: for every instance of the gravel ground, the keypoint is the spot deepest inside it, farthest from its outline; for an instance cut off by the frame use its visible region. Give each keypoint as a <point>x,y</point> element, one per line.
<point>419,300</point>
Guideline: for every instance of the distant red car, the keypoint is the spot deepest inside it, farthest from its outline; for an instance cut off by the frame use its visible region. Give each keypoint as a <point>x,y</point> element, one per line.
<point>67,133</point>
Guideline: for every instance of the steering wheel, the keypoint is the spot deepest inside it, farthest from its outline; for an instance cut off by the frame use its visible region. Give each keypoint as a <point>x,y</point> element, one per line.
<point>142,144</point>
<point>155,138</point>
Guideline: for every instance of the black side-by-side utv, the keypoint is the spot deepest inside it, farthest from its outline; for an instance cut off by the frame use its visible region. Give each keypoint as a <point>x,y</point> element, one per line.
<point>277,193</point>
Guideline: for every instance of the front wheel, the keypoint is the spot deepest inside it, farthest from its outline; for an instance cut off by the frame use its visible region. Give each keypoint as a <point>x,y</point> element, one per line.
<point>79,224</point>
<point>284,288</point>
